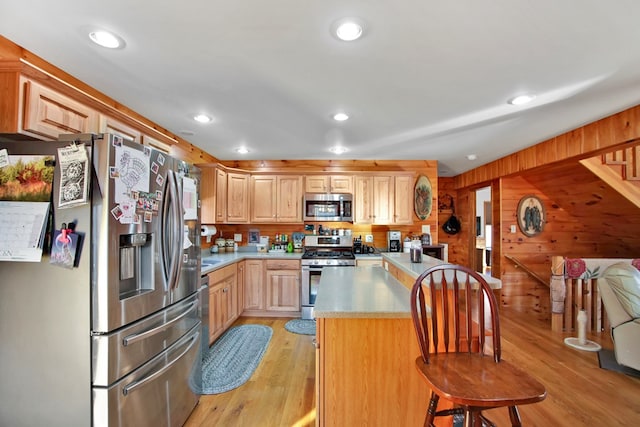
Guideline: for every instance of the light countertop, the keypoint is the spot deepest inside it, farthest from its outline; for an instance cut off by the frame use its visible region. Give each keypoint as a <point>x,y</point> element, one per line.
<point>361,292</point>
<point>403,262</point>
<point>211,262</point>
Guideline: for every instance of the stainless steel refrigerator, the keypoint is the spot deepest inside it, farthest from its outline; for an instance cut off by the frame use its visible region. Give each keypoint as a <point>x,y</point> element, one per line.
<point>114,340</point>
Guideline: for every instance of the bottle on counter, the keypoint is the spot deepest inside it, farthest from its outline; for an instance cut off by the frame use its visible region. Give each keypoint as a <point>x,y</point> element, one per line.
<point>415,253</point>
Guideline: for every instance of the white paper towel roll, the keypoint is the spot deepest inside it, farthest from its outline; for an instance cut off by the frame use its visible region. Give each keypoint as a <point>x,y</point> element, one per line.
<point>208,231</point>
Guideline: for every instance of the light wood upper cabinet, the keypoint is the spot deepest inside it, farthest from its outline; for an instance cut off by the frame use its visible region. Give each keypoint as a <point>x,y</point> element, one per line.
<point>363,200</point>
<point>403,208</point>
<point>289,198</point>
<point>232,197</point>
<point>49,114</point>
<point>264,195</point>
<point>383,199</point>
<point>328,184</point>
<point>237,198</point>
<point>276,198</point>
<point>110,125</point>
<point>208,195</point>
<point>221,196</point>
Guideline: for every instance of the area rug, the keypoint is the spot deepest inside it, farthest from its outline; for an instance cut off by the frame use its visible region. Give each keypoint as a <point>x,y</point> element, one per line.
<point>607,360</point>
<point>233,358</point>
<point>302,327</point>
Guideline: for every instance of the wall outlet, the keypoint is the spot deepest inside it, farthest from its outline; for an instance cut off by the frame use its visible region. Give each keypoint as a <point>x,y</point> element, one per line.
<point>426,229</point>
<point>368,238</point>
<point>513,228</point>
<point>237,237</point>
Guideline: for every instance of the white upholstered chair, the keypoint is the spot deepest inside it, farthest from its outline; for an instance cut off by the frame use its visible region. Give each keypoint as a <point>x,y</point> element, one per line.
<point>620,291</point>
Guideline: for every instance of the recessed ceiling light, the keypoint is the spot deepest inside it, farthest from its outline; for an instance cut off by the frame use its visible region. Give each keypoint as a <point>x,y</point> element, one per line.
<point>348,29</point>
<point>472,156</point>
<point>338,149</point>
<point>242,150</point>
<point>106,39</point>
<point>340,117</point>
<point>522,99</point>
<point>202,118</point>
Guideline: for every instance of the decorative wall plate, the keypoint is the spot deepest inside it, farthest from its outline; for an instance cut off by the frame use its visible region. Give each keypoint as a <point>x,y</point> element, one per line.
<point>531,215</point>
<point>422,197</point>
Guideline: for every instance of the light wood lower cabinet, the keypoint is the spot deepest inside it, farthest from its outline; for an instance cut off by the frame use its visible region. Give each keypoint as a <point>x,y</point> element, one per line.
<point>254,285</point>
<point>223,300</point>
<point>366,375</point>
<point>283,285</point>
<point>272,287</point>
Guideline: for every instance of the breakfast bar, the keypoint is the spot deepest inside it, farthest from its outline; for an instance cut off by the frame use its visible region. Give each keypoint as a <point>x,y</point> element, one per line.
<point>366,346</point>
<point>365,353</point>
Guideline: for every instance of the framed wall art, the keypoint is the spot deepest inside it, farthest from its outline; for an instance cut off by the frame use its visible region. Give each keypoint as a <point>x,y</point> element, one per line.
<point>531,215</point>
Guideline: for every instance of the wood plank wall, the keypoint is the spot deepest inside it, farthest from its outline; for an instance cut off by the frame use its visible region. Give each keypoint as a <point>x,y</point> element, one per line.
<point>586,216</point>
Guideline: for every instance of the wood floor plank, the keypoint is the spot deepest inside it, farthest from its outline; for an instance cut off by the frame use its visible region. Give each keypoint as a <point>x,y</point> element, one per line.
<point>579,393</point>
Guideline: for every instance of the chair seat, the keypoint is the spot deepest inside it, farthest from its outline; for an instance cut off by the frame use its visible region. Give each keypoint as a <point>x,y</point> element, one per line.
<point>478,381</point>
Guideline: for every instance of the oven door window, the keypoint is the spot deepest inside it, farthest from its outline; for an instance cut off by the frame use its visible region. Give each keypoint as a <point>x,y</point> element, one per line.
<point>314,282</point>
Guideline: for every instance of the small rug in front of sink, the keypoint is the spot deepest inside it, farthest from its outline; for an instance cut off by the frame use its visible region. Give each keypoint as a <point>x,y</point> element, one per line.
<point>300,326</point>
<point>233,358</point>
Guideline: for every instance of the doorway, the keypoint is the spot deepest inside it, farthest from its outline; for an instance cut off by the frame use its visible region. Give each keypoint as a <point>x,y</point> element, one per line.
<point>483,230</point>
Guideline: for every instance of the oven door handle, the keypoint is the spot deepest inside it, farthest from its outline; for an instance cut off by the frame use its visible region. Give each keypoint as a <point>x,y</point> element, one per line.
<point>312,267</point>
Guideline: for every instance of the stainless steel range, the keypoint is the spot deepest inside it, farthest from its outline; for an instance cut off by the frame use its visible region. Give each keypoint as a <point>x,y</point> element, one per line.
<point>321,252</point>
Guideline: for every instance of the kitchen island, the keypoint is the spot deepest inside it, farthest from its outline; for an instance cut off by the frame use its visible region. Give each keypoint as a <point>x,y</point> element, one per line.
<point>367,346</point>
<point>366,350</point>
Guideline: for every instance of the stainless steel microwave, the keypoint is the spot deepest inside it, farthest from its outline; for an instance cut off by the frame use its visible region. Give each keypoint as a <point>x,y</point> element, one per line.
<point>328,207</point>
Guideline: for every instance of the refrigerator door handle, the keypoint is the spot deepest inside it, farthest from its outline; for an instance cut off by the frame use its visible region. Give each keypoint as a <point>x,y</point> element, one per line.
<point>178,212</point>
<point>142,381</point>
<point>130,339</point>
<point>170,234</point>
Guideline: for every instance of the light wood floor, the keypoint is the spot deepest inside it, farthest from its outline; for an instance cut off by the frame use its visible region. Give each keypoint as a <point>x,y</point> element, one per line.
<point>579,393</point>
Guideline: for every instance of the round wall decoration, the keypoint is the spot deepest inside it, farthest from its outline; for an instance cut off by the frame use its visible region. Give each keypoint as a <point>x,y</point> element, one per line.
<point>422,197</point>
<point>531,215</point>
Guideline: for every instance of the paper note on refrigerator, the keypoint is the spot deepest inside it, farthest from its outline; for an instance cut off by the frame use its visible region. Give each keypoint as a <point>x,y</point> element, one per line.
<point>130,172</point>
<point>189,198</point>
<point>22,230</point>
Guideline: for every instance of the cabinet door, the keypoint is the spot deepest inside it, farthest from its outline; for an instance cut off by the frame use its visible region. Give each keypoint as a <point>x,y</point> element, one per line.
<point>289,199</point>
<point>208,195</point>
<point>403,200</point>
<point>254,285</point>
<point>363,205</point>
<point>216,312</point>
<point>230,299</point>
<point>341,184</point>
<point>383,199</point>
<point>221,196</point>
<point>283,290</point>
<point>316,184</point>
<point>49,114</point>
<point>240,281</point>
<point>110,125</point>
<point>156,144</point>
<point>264,198</point>
<point>237,198</point>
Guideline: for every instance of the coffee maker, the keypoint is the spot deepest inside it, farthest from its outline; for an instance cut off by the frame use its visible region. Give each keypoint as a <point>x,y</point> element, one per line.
<point>394,241</point>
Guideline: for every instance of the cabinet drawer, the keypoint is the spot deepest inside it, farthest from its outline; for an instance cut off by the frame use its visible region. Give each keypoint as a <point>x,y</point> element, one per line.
<point>220,274</point>
<point>283,264</point>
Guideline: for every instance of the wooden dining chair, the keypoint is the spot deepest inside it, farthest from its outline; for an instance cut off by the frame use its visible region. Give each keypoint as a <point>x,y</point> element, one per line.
<point>455,315</point>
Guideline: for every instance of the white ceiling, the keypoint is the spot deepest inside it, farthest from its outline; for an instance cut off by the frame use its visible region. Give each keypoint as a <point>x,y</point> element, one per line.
<point>428,80</point>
